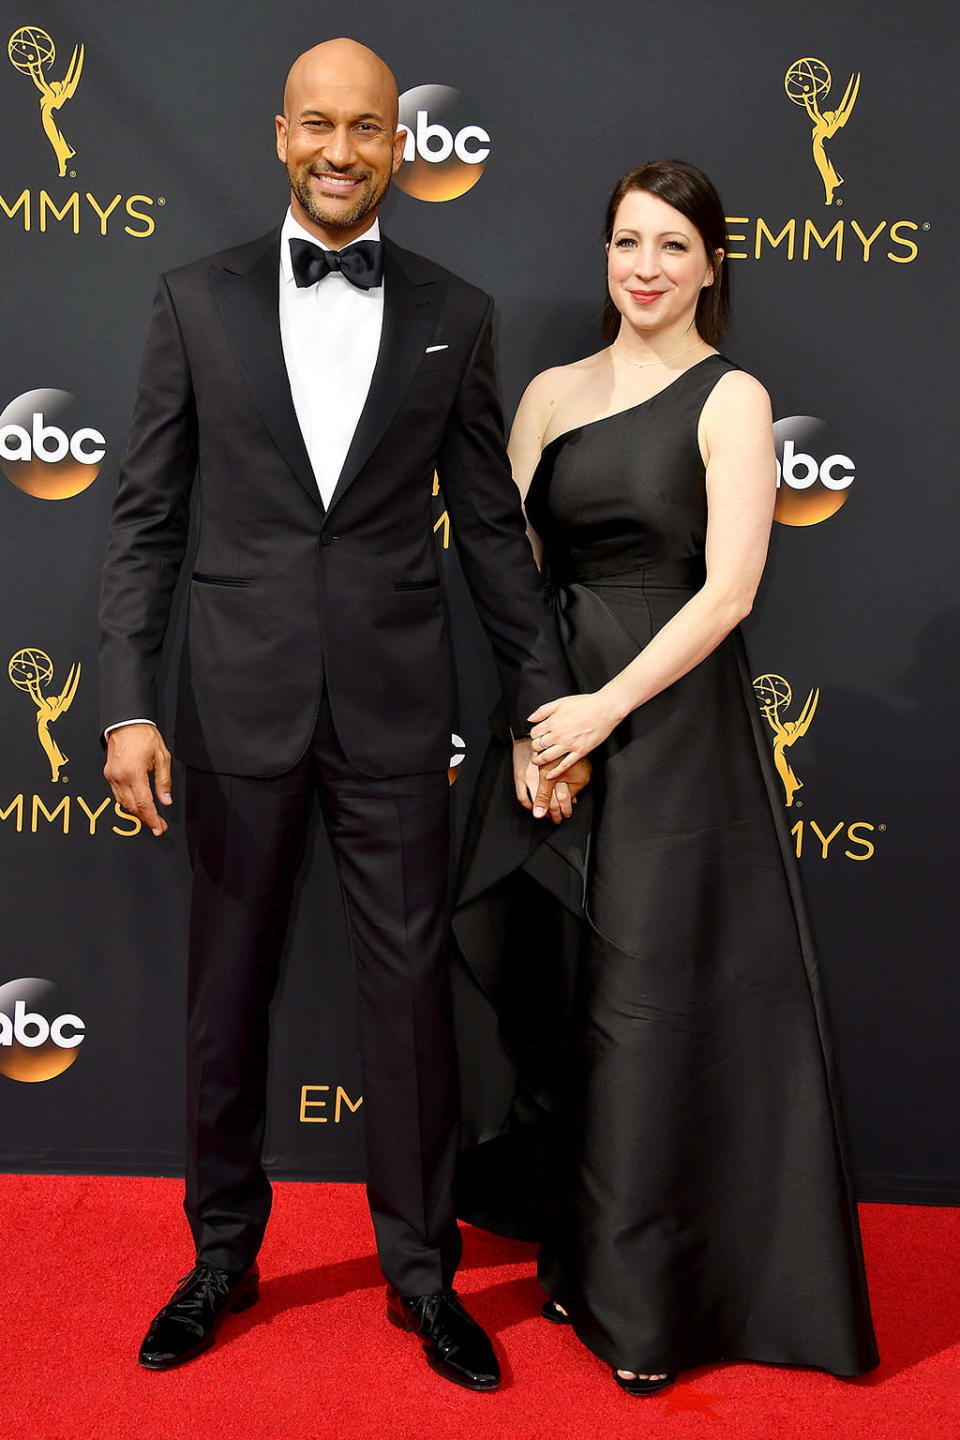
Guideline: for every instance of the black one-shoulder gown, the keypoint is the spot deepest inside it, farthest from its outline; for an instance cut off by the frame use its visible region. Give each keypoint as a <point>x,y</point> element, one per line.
<point>648,1079</point>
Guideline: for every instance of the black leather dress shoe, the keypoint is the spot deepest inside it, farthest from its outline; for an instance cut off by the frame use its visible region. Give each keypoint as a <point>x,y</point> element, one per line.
<point>454,1344</point>
<point>188,1324</point>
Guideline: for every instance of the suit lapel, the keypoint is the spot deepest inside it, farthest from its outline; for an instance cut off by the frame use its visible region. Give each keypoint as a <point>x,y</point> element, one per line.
<point>409,314</point>
<point>248,297</point>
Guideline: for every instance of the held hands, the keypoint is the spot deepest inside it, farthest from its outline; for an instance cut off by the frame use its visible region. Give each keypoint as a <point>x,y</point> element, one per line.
<point>566,730</point>
<point>535,792</point>
<point>133,751</point>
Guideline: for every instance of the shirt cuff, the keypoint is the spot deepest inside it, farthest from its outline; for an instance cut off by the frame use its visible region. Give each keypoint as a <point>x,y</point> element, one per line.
<point>120,724</point>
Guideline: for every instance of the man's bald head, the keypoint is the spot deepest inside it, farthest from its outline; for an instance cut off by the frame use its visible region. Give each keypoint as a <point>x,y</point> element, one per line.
<point>338,64</point>
<point>338,138</point>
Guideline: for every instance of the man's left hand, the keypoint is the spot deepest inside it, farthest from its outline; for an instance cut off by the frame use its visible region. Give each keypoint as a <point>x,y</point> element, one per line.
<point>535,792</point>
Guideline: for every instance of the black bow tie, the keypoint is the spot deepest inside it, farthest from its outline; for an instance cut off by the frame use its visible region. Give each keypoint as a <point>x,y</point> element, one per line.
<point>361,264</point>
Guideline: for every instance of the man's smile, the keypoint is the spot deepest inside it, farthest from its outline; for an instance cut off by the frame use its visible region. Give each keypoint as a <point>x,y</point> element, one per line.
<point>334,184</point>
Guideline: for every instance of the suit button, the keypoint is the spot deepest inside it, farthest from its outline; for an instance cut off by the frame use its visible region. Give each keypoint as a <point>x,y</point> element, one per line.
<point>326,539</point>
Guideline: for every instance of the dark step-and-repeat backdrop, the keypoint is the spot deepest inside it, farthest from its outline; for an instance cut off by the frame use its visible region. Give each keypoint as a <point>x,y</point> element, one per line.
<point>134,138</point>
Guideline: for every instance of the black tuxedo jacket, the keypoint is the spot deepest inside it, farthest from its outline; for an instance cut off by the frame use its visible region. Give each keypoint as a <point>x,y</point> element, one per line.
<point>287,597</point>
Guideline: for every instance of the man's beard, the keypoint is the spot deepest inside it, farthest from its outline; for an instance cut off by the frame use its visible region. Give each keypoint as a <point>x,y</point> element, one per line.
<point>368,199</point>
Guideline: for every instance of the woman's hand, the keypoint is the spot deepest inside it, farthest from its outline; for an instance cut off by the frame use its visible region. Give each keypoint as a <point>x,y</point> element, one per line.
<point>566,730</point>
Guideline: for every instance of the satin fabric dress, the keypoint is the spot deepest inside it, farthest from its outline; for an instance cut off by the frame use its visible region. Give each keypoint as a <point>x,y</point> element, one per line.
<point>648,1079</point>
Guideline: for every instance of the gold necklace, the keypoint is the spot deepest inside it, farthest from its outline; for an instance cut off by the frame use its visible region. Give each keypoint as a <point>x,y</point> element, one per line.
<point>642,364</point>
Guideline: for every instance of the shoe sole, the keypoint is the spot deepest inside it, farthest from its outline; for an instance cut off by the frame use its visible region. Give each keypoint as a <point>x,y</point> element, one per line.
<point>244,1302</point>
<point>437,1366</point>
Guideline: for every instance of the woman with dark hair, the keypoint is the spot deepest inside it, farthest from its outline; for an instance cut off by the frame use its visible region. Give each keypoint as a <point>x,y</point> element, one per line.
<point>649,1086</point>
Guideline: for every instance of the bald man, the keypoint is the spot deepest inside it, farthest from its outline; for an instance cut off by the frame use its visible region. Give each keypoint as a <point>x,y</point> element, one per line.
<point>301,390</point>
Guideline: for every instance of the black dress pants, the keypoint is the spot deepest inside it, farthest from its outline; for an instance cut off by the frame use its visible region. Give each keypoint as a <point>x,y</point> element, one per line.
<point>390,842</point>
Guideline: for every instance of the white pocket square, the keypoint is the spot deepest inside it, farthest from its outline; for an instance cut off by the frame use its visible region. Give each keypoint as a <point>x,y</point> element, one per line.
<point>431,348</point>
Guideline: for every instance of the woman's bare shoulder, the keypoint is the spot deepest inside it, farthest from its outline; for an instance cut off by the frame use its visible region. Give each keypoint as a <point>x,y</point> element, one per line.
<point>560,378</point>
<point>549,391</point>
<point>740,392</point>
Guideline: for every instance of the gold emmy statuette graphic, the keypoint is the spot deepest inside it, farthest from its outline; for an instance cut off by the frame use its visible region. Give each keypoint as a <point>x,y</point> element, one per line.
<point>32,52</point>
<point>775,696</point>
<point>30,670</point>
<point>806,83</point>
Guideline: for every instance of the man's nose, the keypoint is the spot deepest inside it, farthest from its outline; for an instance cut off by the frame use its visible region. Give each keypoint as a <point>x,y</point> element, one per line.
<point>339,148</point>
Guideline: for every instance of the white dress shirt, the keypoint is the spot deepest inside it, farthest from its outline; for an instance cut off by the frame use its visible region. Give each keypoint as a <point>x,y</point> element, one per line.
<point>330,333</point>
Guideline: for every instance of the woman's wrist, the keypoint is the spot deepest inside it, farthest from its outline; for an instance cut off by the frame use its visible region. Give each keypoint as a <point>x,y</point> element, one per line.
<point>615,704</point>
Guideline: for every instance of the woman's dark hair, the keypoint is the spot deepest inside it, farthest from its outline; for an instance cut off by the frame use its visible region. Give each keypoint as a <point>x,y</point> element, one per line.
<point>688,190</point>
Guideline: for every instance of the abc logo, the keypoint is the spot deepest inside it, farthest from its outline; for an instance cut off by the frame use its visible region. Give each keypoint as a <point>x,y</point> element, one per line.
<point>443,156</point>
<point>44,449</point>
<point>813,480</point>
<point>458,750</point>
<point>36,1042</point>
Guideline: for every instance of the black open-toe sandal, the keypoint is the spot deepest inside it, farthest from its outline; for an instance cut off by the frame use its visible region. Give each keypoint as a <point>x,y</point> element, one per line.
<point>636,1386</point>
<point>551,1311</point>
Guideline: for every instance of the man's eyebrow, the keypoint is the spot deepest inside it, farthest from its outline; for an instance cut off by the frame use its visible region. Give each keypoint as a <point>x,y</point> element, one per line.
<point>321,114</point>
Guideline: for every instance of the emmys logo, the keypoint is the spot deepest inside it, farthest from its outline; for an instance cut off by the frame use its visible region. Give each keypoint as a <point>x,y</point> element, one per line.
<point>797,238</point>
<point>43,450</point>
<point>32,52</point>
<point>809,489</point>
<point>807,82</point>
<point>441,525</point>
<point>442,158</point>
<point>33,1048</point>
<point>775,696</point>
<point>310,1104</point>
<point>30,670</point>
<point>852,839</point>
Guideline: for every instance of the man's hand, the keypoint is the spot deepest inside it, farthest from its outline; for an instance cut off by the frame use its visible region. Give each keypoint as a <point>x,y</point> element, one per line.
<point>133,752</point>
<point>543,796</point>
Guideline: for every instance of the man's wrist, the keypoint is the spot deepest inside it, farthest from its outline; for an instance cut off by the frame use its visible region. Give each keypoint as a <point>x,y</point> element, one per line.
<point>121,724</point>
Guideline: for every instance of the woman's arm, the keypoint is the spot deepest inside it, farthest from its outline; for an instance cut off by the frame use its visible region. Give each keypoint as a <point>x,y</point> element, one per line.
<point>736,436</point>
<point>524,448</point>
<point>526,438</point>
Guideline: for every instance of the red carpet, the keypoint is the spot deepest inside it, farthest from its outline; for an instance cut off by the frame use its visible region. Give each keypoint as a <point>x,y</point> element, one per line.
<point>85,1262</point>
